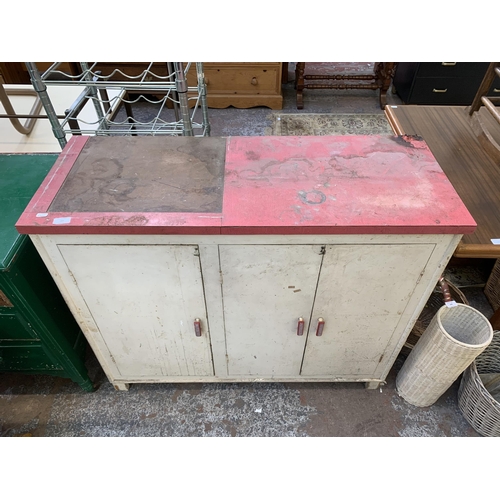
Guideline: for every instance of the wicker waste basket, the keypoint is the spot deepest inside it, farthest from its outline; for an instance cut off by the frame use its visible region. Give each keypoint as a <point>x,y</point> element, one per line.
<point>451,342</point>
<point>436,301</point>
<point>479,391</point>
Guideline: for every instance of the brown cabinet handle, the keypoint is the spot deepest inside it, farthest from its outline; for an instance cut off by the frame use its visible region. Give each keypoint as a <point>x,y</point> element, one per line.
<point>197,327</point>
<point>254,81</point>
<point>300,327</point>
<point>319,328</point>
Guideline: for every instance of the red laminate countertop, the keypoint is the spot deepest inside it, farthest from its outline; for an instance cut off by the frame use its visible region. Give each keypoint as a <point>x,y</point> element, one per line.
<point>266,184</point>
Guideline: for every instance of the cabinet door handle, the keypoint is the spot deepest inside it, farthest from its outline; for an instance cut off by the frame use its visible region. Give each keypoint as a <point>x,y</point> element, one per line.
<point>448,64</point>
<point>496,90</point>
<point>300,327</point>
<point>197,327</point>
<point>254,81</point>
<point>319,328</point>
<point>440,91</point>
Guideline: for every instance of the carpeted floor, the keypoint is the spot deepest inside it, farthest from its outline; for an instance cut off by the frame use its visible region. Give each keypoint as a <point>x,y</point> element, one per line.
<point>329,124</point>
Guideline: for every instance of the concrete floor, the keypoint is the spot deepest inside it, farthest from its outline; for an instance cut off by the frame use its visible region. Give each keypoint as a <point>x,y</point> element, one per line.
<point>48,406</point>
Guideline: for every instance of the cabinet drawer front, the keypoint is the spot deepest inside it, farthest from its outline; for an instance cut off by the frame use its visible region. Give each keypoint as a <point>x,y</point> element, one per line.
<point>474,70</point>
<point>145,300</point>
<point>12,326</point>
<point>459,91</point>
<point>240,79</point>
<point>25,356</point>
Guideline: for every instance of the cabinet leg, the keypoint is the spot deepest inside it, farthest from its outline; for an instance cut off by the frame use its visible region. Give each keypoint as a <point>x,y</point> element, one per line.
<point>121,387</point>
<point>383,99</point>
<point>300,100</point>
<point>372,385</point>
<point>87,385</point>
<point>299,83</point>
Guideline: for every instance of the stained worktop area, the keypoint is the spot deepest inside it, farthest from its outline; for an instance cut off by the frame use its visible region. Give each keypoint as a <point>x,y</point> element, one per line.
<point>246,185</point>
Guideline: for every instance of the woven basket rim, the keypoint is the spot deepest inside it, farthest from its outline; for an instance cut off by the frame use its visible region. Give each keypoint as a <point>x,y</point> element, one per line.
<point>456,294</point>
<point>458,342</point>
<point>484,392</point>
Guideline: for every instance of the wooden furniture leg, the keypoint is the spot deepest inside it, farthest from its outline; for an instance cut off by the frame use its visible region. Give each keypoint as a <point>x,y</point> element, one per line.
<point>121,387</point>
<point>384,73</point>
<point>299,83</point>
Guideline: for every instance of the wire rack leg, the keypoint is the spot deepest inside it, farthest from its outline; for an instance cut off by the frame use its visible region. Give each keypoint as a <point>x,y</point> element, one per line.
<point>41,88</point>
<point>181,86</point>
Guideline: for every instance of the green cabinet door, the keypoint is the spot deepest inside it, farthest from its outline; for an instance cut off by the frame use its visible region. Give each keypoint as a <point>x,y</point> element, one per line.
<point>38,333</point>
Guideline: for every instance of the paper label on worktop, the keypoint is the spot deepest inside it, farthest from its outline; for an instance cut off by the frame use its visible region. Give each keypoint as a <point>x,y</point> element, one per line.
<point>61,220</point>
<point>495,241</point>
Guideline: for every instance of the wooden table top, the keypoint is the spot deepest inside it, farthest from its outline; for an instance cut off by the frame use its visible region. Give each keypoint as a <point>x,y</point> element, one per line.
<point>246,185</point>
<point>472,171</point>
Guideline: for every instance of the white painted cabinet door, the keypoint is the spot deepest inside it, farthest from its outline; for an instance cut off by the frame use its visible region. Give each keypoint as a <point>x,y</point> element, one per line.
<point>362,296</point>
<point>266,288</point>
<point>144,300</point>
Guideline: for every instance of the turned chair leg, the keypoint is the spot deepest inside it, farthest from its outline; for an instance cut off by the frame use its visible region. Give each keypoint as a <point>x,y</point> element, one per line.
<point>299,83</point>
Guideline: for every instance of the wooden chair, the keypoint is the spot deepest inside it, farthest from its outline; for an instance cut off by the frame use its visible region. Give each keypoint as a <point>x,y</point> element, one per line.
<point>26,127</point>
<point>381,78</point>
<point>479,125</point>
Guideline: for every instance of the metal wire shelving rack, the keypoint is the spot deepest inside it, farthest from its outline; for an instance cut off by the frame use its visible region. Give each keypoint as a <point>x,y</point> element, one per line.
<point>175,107</point>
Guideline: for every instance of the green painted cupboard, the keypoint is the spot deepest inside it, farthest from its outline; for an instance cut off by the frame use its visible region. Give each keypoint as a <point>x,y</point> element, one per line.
<point>38,334</point>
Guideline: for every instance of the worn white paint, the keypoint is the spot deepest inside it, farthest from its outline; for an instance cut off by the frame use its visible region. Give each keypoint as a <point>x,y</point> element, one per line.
<point>362,293</point>
<point>215,283</point>
<point>266,288</point>
<point>145,300</point>
<point>48,249</point>
<point>212,282</point>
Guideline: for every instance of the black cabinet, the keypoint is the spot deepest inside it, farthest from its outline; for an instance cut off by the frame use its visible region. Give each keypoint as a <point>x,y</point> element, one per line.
<point>451,83</point>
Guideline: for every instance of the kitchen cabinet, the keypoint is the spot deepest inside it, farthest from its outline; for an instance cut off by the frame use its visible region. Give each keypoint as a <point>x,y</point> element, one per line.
<point>282,259</point>
<point>446,83</point>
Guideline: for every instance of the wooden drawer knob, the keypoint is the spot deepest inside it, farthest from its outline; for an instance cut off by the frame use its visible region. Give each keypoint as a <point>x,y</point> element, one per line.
<point>254,81</point>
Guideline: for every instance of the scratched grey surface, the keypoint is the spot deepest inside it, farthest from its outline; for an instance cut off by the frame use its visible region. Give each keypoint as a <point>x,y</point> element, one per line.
<point>145,174</point>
